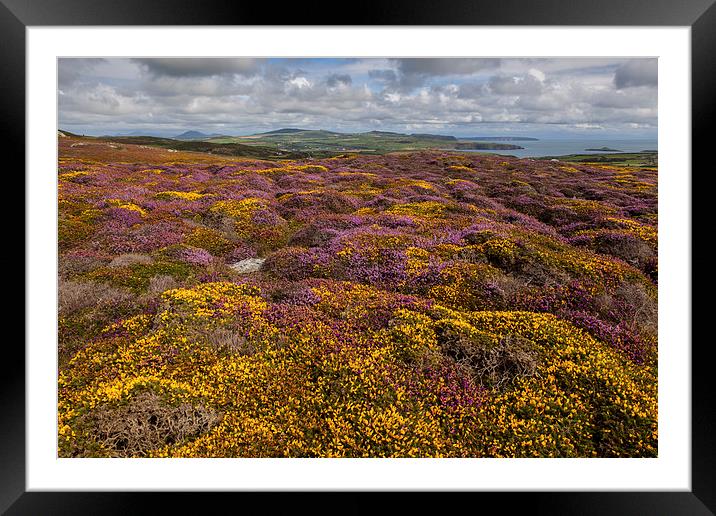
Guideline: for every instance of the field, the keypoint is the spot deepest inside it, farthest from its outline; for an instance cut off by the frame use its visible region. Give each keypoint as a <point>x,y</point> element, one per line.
<point>622,159</point>
<point>313,141</point>
<point>134,143</point>
<point>412,304</point>
<point>295,143</point>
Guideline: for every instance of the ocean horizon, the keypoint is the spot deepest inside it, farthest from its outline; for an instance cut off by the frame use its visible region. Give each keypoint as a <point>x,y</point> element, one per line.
<point>563,147</point>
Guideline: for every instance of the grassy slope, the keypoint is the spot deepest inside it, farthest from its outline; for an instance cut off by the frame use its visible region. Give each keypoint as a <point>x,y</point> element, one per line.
<point>208,147</point>
<point>372,142</point>
<point>627,159</point>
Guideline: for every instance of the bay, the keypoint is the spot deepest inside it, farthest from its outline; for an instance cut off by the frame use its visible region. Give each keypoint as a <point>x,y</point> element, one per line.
<point>556,147</point>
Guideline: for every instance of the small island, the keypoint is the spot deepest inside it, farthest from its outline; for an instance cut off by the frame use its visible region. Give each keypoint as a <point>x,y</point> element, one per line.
<point>603,149</point>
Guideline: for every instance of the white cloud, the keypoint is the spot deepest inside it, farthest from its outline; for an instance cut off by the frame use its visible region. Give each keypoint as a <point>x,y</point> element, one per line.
<point>239,96</point>
<point>300,82</point>
<point>537,74</point>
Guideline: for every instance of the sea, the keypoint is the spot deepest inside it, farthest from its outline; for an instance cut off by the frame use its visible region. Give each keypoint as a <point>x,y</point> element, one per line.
<point>546,147</point>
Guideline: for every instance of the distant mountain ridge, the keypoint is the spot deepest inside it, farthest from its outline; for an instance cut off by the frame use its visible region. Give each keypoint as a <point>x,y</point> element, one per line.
<point>286,130</point>
<point>421,136</point>
<point>196,135</point>
<point>155,134</point>
<point>192,134</point>
<point>292,139</point>
<point>292,142</point>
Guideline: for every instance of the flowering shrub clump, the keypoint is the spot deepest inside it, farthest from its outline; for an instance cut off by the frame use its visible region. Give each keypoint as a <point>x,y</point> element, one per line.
<point>254,221</point>
<point>420,304</point>
<point>188,196</point>
<point>210,240</point>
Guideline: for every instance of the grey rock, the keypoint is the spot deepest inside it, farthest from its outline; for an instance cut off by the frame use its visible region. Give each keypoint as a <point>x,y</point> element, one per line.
<point>248,265</point>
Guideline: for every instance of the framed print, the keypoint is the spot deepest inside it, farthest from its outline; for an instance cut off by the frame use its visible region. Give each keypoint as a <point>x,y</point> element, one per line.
<point>432,250</point>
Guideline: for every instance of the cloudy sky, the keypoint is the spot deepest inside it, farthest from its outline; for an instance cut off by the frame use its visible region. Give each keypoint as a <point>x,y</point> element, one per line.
<point>540,97</point>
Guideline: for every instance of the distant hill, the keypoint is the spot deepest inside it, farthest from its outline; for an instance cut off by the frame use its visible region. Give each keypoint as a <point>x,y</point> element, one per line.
<point>196,135</point>
<point>136,133</point>
<point>384,133</point>
<point>224,149</point>
<point>298,133</point>
<point>295,143</point>
<point>287,130</point>
<point>290,139</point>
<point>64,134</point>
<point>438,137</point>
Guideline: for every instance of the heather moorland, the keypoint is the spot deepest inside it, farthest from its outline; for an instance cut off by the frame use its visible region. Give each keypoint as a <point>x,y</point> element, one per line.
<point>411,304</point>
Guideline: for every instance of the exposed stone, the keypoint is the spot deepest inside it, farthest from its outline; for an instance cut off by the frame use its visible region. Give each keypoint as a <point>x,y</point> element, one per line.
<point>248,265</point>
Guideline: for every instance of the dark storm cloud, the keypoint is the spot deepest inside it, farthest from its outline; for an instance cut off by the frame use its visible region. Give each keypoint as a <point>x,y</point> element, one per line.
<point>637,72</point>
<point>203,67</point>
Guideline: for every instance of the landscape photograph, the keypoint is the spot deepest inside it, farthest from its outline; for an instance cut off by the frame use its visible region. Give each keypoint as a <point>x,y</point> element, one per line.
<point>357,257</point>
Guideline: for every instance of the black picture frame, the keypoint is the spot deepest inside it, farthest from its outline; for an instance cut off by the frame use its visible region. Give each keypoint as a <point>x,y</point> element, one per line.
<point>700,15</point>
